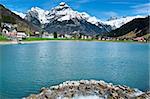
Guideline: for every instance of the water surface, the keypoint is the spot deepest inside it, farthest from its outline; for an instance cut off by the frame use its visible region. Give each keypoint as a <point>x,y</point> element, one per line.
<point>25,68</point>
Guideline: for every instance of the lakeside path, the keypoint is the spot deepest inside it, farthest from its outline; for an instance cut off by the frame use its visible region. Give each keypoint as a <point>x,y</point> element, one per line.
<point>28,42</point>
<point>43,41</point>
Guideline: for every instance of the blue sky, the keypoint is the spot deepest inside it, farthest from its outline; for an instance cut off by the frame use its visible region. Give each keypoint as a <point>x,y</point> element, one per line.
<point>102,9</point>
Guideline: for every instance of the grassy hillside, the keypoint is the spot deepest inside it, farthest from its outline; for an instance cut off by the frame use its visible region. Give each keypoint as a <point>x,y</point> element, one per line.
<point>6,16</point>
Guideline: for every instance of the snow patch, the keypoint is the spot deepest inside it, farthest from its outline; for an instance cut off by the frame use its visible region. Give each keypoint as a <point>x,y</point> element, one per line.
<point>41,14</point>
<point>116,23</point>
<point>22,15</point>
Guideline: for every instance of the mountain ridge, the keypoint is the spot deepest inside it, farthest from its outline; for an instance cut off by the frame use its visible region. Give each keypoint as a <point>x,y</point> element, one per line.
<point>70,21</point>
<point>118,22</point>
<point>139,27</point>
<point>64,20</point>
<point>114,22</point>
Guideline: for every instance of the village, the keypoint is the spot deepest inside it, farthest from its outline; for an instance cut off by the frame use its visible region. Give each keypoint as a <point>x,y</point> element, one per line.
<point>11,33</point>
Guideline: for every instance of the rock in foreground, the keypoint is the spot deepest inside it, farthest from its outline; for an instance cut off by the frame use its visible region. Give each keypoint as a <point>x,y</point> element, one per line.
<point>92,88</point>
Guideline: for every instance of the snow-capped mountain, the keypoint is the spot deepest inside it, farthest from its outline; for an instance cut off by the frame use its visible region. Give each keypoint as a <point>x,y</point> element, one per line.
<point>64,19</point>
<point>118,22</point>
<point>71,20</point>
<point>136,28</point>
<point>62,13</point>
<point>37,14</point>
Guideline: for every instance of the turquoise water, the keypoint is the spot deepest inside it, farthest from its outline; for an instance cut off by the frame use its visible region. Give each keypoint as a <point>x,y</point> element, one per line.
<point>25,68</point>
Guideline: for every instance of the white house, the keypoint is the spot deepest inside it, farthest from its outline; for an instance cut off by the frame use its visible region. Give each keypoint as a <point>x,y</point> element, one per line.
<point>47,35</point>
<point>21,35</point>
<point>68,36</point>
<point>61,36</point>
<point>82,37</point>
<point>37,33</point>
<point>89,37</point>
<point>5,31</point>
<point>9,32</point>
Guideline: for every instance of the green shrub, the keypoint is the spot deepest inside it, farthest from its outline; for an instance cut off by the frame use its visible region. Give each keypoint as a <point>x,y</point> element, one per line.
<point>2,38</point>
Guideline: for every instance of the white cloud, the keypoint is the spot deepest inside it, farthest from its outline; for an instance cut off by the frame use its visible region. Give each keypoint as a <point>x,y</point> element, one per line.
<point>141,8</point>
<point>84,1</point>
<point>121,2</point>
<point>22,15</point>
<point>110,14</point>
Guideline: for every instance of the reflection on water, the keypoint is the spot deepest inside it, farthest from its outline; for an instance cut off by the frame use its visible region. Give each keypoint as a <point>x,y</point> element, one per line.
<point>28,67</point>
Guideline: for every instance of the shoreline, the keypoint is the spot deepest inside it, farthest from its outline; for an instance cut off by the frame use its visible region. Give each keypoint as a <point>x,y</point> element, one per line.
<point>42,41</point>
<point>89,88</point>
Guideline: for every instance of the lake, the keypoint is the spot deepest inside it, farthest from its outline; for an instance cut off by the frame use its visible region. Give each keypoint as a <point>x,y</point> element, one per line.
<point>26,68</point>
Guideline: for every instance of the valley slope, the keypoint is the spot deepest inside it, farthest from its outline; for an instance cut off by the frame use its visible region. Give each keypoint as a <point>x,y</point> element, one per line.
<point>7,16</point>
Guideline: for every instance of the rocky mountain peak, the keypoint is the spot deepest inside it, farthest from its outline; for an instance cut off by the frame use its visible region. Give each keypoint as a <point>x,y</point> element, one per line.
<point>66,20</point>
<point>63,4</point>
<point>38,14</point>
<point>112,18</point>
